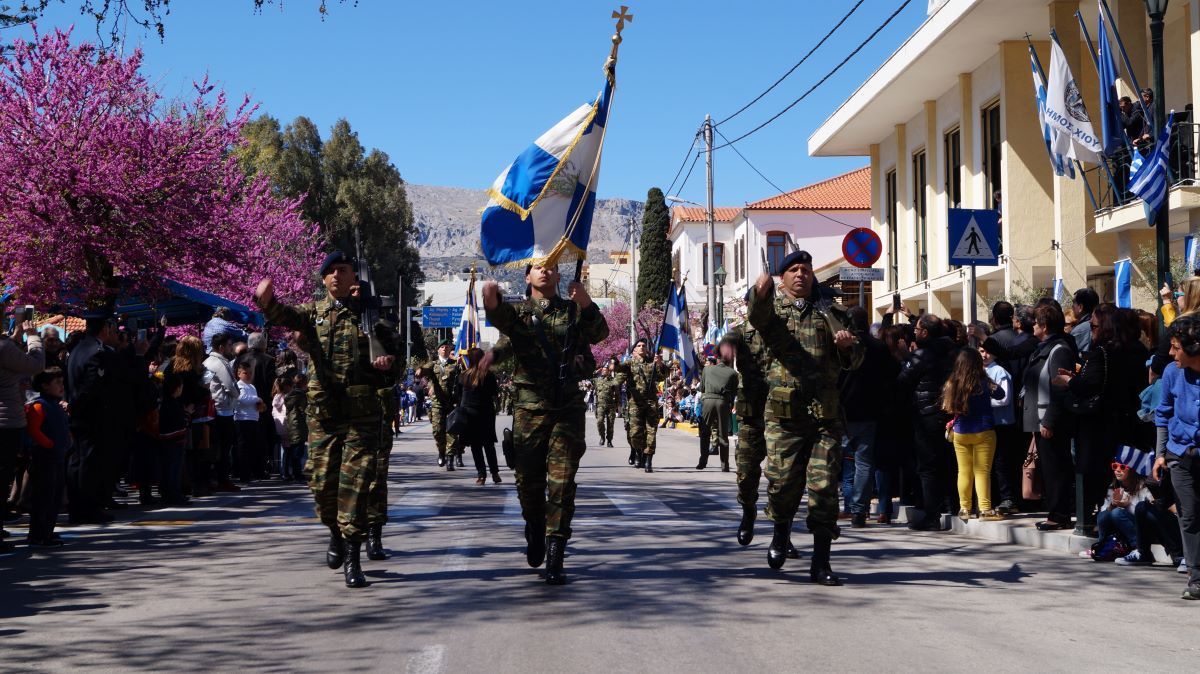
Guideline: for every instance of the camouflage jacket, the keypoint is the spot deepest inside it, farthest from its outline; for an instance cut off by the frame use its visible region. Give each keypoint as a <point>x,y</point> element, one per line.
<point>443,380</point>
<point>802,376</point>
<point>753,362</point>
<point>608,390</point>
<point>537,380</point>
<point>341,355</point>
<point>641,381</point>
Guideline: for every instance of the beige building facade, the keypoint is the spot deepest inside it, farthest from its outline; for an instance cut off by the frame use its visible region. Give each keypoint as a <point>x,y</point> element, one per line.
<point>949,120</point>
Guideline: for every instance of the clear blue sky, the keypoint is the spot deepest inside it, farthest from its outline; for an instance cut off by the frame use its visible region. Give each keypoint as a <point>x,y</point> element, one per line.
<point>452,91</point>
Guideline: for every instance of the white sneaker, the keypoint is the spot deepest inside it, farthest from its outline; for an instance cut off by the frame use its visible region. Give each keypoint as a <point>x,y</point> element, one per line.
<point>1085,554</point>
<point>1134,559</point>
<point>1183,567</point>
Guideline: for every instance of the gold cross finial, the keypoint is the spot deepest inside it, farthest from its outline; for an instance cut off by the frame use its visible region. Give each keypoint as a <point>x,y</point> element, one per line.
<point>622,16</point>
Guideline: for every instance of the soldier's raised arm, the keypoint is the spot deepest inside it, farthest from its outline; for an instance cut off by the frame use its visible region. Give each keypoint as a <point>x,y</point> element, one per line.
<point>291,317</point>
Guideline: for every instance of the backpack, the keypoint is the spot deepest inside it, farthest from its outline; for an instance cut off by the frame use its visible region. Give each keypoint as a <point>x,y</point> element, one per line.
<point>1109,549</point>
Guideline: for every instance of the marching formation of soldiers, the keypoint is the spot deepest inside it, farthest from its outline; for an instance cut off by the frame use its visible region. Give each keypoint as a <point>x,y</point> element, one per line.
<point>787,359</point>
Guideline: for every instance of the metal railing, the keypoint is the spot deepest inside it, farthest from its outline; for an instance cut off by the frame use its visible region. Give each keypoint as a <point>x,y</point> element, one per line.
<point>1113,184</point>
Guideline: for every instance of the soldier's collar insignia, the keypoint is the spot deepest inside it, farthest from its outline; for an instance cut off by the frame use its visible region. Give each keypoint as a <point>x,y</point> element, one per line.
<point>543,303</point>
<point>320,321</point>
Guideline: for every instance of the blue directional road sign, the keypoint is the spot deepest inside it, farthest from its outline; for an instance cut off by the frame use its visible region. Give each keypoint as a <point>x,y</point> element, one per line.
<point>441,317</point>
<point>974,236</point>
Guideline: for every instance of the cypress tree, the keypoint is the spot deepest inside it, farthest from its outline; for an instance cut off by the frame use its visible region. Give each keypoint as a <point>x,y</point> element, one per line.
<point>654,252</point>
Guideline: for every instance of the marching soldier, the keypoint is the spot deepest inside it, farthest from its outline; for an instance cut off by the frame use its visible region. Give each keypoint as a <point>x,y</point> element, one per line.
<point>806,336</point>
<point>344,411</point>
<point>548,337</point>
<point>377,510</point>
<point>608,395</point>
<point>442,374</point>
<point>642,375</point>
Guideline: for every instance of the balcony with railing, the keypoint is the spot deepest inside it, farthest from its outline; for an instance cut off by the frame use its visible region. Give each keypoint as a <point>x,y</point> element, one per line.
<point>1119,209</point>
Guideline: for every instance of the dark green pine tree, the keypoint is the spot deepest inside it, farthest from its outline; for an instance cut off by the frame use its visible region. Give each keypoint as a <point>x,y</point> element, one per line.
<point>654,252</point>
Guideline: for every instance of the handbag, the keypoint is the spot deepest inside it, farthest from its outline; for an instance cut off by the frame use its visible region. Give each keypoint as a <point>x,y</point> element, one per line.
<point>459,420</point>
<point>950,429</point>
<point>506,446</point>
<point>1091,404</point>
<point>1031,474</point>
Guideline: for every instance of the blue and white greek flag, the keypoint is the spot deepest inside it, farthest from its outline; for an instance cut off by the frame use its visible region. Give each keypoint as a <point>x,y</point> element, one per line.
<point>1061,166</point>
<point>716,332</point>
<point>1122,270</point>
<point>1141,462</point>
<point>541,205</point>
<point>1058,290</point>
<point>468,327</point>
<point>1148,176</point>
<point>676,333</point>
<point>1189,252</point>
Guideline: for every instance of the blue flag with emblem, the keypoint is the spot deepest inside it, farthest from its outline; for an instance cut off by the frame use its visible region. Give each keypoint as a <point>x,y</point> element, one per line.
<point>676,334</point>
<point>1148,176</point>
<point>1111,129</point>
<point>468,327</point>
<point>1189,252</point>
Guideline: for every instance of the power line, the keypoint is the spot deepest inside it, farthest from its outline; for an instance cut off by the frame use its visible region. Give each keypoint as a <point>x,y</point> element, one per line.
<point>798,63</point>
<point>831,73</point>
<point>683,163</point>
<point>777,187</point>
<point>689,173</point>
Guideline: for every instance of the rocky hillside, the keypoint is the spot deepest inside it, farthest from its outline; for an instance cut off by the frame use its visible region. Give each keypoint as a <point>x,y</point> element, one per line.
<point>447,219</point>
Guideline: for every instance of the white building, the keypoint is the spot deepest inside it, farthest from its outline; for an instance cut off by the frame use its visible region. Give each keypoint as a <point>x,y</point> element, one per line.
<point>452,292</point>
<point>816,217</point>
<point>611,280</point>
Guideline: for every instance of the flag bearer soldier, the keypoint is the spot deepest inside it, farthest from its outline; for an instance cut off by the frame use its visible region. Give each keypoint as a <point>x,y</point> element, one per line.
<point>608,395</point>
<point>344,413</point>
<point>805,334</point>
<point>377,512</point>
<point>548,338</point>
<point>443,375</point>
<point>642,375</point>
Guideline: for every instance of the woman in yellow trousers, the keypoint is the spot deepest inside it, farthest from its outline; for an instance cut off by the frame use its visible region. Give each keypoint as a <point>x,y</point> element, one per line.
<point>968,395</point>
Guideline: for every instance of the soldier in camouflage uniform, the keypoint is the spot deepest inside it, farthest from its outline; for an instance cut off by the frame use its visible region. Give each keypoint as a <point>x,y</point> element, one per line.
<point>806,335</point>
<point>377,510</point>
<point>608,395</point>
<point>442,374</point>
<point>344,413</point>
<point>548,337</point>
<point>642,376</point>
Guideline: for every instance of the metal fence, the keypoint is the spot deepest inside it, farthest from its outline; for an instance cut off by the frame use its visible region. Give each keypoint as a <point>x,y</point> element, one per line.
<point>1113,176</point>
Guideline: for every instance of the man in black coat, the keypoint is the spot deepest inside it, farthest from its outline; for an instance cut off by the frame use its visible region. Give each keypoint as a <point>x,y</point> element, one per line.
<point>92,371</point>
<point>924,375</point>
<point>1012,344</point>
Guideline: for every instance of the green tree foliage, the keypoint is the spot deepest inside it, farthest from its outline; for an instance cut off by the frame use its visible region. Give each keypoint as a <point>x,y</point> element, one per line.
<point>654,252</point>
<point>347,188</point>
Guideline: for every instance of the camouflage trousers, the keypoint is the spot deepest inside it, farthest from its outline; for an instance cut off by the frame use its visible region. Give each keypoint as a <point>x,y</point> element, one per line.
<point>714,430</point>
<point>343,459</point>
<point>447,442</point>
<point>377,506</point>
<point>751,450</point>
<point>804,454</point>
<point>606,420</point>
<point>548,445</point>
<point>643,428</point>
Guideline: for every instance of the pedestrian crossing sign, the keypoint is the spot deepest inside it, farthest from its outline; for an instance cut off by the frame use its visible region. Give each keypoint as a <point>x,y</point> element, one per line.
<point>974,236</point>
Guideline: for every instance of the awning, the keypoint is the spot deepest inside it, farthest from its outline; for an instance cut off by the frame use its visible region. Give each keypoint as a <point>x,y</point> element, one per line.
<point>184,305</point>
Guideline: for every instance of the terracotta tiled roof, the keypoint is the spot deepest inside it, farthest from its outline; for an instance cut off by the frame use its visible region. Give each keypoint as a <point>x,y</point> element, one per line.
<point>847,192</point>
<point>697,214</point>
<point>73,324</point>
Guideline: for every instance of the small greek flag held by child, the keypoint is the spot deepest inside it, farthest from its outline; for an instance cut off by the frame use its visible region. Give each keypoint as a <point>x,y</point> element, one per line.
<point>1138,461</point>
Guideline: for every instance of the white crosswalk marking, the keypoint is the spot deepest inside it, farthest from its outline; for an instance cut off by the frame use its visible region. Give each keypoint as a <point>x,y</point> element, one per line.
<point>419,503</point>
<point>639,504</point>
<point>428,660</point>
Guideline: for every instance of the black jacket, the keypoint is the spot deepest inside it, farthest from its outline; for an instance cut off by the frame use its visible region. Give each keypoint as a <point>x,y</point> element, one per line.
<point>1043,403</point>
<point>865,391</point>
<point>91,372</point>
<point>1117,375</point>
<point>479,404</point>
<point>925,373</point>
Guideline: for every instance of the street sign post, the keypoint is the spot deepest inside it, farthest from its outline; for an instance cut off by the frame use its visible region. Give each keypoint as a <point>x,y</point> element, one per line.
<point>861,247</point>
<point>860,274</point>
<point>441,317</point>
<point>974,240</point>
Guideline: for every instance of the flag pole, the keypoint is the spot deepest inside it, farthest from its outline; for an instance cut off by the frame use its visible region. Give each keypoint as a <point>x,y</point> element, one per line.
<point>1125,57</point>
<point>1078,164</point>
<point>1096,60</point>
<point>1037,63</point>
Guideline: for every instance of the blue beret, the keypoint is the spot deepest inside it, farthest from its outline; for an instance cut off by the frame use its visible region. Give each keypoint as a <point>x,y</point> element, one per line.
<point>800,256</point>
<point>336,257</point>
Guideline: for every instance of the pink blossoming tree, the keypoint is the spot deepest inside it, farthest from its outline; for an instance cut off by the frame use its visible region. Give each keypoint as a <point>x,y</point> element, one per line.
<point>101,179</point>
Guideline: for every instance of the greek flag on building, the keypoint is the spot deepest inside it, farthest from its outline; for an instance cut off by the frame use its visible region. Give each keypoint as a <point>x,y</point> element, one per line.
<point>1148,176</point>
<point>541,205</point>
<point>676,334</point>
<point>468,327</point>
<point>1062,167</point>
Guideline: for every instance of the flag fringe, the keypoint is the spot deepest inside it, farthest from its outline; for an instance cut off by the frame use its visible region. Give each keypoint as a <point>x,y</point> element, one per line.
<point>564,251</point>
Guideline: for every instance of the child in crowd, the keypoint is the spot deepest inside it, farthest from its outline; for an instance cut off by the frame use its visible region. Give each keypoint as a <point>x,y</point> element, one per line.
<point>49,429</point>
<point>245,420</point>
<point>968,395</point>
<point>173,429</point>
<point>1118,514</point>
<point>279,391</point>
<point>296,429</point>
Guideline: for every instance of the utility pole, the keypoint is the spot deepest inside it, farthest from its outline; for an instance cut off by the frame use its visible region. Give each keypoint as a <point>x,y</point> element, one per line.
<point>633,309</point>
<point>710,259</point>
<point>1162,221</point>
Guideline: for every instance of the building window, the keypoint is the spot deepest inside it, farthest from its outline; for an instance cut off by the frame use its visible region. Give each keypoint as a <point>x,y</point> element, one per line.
<point>889,214</point>
<point>776,250</point>
<point>717,262</point>
<point>920,232</point>
<point>675,266</point>
<point>953,156</point>
<point>992,147</point>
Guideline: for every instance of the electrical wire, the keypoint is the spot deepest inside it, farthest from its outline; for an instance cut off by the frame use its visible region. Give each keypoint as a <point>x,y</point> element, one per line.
<point>780,189</point>
<point>821,81</point>
<point>797,65</point>
<point>683,163</point>
<point>689,173</point>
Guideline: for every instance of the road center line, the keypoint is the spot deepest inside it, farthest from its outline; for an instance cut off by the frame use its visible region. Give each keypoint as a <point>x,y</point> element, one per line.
<point>428,660</point>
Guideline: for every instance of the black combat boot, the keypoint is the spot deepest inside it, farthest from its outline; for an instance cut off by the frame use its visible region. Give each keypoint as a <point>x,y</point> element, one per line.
<point>746,528</point>
<point>556,547</point>
<point>375,543</point>
<point>458,460</point>
<point>820,572</point>
<point>777,551</point>
<point>535,545</point>
<point>649,463</point>
<point>632,455</point>
<point>352,568</point>
<point>441,459</point>
<point>641,460</point>
<point>336,553</point>
<point>792,552</point>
